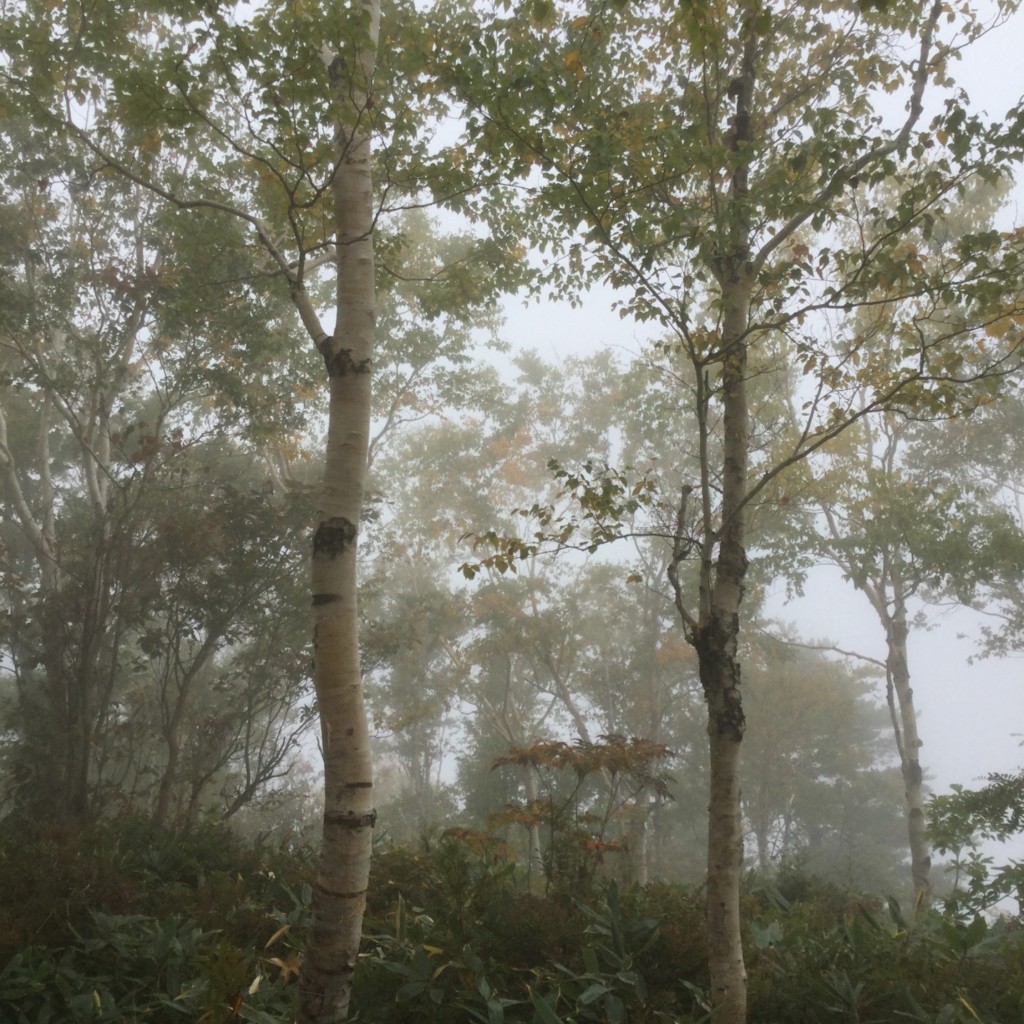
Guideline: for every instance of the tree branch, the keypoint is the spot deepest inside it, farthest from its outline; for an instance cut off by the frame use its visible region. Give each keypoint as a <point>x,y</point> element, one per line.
<point>187,204</point>
<point>842,176</point>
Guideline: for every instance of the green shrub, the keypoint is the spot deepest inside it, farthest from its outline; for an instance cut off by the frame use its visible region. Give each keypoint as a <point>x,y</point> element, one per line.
<point>136,967</point>
<point>875,965</point>
<point>122,920</point>
<point>124,923</point>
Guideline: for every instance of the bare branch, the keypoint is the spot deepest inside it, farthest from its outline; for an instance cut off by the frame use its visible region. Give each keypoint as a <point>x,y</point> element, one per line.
<point>827,648</point>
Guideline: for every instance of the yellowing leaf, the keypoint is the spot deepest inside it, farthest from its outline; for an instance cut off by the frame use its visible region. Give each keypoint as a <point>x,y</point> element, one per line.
<point>970,1009</point>
<point>574,62</point>
<point>283,930</point>
<point>289,968</point>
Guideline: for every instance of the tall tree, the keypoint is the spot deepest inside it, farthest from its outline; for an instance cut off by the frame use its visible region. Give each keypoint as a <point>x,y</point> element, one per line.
<point>222,80</point>
<point>906,514</point>
<point>903,511</point>
<point>104,410</point>
<point>701,157</point>
<point>906,526</point>
<point>266,120</point>
<point>340,894</point>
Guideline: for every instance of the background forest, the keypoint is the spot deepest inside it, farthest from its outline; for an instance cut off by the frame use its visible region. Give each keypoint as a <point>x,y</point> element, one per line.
<point>567,548</point>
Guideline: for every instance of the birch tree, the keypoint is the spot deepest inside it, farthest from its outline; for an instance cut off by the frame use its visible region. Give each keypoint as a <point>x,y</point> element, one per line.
<point>701,157</point>
<point>270,122</point>
<point>267,117</point>
<point>907,515</point>
<point>910,526</point>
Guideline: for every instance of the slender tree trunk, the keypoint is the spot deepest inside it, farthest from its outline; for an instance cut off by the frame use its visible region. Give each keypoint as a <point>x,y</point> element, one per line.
<point>716,639</point>
<point>909,744</point>
<point>725,869</point>
<point>787,833</point>
<point>760,827</point>
<point>83,688</point>
<point>637,864</point>
<point>174,718</point>
<point>877,585</point>
<point>714,632</point>
<point>339,897</point>
<point>535,855</point>
<point>163,796</point>
<point>716,636</point>
<point>171,730</point>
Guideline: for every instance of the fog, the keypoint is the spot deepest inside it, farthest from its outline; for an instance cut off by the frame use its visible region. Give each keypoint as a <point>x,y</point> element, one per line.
<point>971,707</point>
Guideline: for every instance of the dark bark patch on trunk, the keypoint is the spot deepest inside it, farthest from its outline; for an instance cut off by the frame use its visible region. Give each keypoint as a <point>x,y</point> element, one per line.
<point>333,537</point>
<point>322,599</point>
<point>339,896</point>
<point>720,676</point>
<point>351,821</point>
<point>340,363</point>
<point>732,720</point>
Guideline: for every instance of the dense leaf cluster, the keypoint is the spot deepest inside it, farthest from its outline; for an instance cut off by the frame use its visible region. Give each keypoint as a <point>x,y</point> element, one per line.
<point>125,921</point>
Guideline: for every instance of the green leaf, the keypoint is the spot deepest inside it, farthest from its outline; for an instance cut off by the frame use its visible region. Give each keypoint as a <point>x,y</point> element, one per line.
<point>545,1010</point>
<point>614,1009</point>
<point>251,1013</point>
<point>592,993</point>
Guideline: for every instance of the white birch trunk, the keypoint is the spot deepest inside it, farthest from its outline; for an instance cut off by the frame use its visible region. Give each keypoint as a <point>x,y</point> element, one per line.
<point>909,745</point>
<point>339,897</point>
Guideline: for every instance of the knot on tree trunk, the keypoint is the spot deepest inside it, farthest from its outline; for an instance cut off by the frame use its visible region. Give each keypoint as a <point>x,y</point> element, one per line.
<point>729,717</point>
<point>339,362</point>
<point>333,536</point>
<point>351,821</point>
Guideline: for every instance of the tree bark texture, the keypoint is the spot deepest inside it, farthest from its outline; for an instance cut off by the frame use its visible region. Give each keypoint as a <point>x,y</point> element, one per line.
<point>716,637</point>
<point>716,642</point>
<point>339,896</point>
<point>909,745</point>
